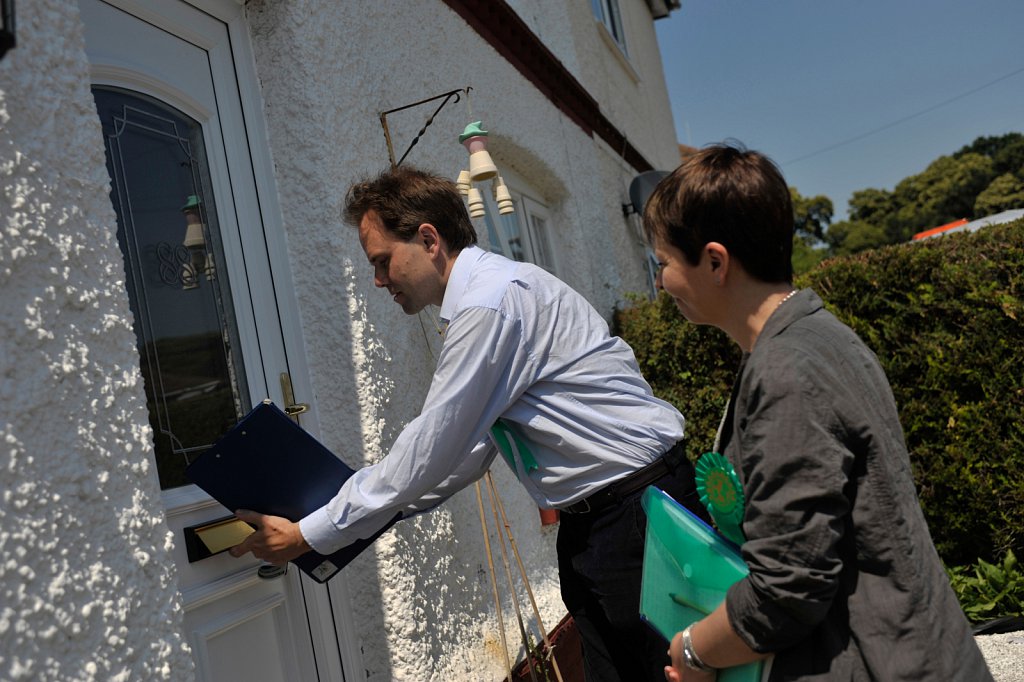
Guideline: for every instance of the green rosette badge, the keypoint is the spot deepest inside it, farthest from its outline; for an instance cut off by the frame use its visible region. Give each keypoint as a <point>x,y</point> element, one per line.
<point>720,491</point>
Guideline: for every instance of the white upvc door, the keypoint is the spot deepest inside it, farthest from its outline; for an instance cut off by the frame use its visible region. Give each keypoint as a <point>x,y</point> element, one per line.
<point>207,275</point>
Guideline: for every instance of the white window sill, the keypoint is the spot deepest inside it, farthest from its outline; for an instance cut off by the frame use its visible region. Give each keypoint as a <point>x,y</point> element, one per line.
<point>617,50</point>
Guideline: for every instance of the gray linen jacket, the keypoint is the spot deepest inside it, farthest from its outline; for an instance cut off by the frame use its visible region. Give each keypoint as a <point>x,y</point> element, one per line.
<point>845,583</point>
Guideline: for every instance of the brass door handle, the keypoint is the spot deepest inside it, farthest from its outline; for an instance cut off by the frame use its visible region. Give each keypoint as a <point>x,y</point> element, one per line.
<point>296,409</point>
<point>291,408</point>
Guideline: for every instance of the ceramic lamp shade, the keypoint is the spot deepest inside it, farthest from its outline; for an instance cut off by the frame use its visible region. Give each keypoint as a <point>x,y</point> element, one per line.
<point>503,198</point>
<point>481,167</point>
<point>194,236</point>
<point>462,184</point>
<point>476,203</point>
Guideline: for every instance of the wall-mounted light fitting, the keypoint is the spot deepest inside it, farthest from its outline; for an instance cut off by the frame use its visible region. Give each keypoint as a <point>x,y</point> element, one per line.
<point>640,190</point>
<point>6,26</point>
<point>387,132</point>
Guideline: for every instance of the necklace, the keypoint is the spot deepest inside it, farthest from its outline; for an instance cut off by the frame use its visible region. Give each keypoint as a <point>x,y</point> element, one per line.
<point>788,296</point>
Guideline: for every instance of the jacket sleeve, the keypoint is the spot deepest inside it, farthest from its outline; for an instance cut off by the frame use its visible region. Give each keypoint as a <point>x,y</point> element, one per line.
<point>795,468</point>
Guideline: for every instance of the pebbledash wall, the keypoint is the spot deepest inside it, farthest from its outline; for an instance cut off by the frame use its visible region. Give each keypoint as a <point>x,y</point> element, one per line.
<point>86,590</point>
<point>87,587</point>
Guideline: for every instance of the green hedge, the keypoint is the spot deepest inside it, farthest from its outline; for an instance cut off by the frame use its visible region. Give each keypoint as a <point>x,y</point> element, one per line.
<point>946,318</point>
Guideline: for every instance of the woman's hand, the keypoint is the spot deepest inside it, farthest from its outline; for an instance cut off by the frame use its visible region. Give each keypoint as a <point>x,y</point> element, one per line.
<point>678,671</point>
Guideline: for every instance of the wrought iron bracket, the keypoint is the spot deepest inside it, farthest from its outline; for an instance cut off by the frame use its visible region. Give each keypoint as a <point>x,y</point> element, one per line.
<point>457,94</point>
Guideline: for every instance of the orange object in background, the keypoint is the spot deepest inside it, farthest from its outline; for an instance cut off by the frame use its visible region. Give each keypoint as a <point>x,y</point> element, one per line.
<point>939,230</point>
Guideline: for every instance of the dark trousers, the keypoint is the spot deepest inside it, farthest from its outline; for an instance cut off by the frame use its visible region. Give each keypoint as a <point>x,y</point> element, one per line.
<point>600,561</point>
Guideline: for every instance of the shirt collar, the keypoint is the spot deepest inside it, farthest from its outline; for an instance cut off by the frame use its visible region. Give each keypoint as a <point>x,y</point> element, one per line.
<point>458,280</point>
<point>803,303</point>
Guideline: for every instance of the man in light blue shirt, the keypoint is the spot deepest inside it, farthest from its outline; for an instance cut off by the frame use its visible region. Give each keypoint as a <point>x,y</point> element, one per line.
<point>524,351</point>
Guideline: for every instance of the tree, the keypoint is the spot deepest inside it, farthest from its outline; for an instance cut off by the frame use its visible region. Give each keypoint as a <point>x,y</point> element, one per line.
<point>942,193</point>
<point>805,256</point>
<point>1002,194</point>
<point>811,215</point>
<point>1006,152</point>
<point>853,236</point>
<point>981,178</point>
<point>811,218</point>
<point>873,206</point>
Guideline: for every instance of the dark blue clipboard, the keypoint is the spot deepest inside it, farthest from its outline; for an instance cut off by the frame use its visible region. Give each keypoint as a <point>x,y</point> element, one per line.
<point>269,464</point>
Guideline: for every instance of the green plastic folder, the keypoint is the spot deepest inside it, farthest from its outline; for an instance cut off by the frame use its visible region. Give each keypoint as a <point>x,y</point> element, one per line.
<point>688,568</point>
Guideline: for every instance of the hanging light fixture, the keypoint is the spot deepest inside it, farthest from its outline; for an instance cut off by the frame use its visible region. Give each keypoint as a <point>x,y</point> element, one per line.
<point>474,139</point>
<point>481,169</point>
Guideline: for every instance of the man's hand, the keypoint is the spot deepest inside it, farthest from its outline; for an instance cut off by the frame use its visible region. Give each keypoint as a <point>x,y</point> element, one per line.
<point>276,540</point>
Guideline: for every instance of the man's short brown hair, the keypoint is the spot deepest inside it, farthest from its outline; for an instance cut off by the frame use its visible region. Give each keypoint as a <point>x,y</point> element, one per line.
<point>405,197</point>
<point>732,196</point>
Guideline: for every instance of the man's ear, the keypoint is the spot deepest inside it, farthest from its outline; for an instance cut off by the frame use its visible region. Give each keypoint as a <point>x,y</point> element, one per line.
<point>429,236</point>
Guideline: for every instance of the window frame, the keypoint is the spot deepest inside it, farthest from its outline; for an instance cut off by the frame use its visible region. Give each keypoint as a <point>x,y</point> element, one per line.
<point>536,243</point>
<point>608,14</point>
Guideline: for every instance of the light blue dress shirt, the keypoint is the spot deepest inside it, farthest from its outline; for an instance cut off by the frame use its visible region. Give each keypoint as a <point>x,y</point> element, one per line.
<point>521,346</point>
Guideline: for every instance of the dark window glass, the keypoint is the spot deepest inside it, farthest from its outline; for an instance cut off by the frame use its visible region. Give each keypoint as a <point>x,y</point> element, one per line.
<point>174,272</point>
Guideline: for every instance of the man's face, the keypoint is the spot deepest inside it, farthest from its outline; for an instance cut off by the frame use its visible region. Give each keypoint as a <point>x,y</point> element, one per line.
<point>407,269</point>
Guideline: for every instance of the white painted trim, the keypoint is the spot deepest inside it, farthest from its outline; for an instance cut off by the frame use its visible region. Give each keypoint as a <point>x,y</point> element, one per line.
<point>207,593</point>
<point>175,17</point>
<point>273,219</point>
<point>119,76</point>
<point>345,625</point>
<point>202,635</point>
<point>616,49</point>
<point>531,207</point>
<point>241,131</point>
<point>186,499</point>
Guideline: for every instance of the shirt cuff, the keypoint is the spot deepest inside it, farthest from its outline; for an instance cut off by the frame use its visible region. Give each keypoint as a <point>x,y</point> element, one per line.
<point>320,532</point>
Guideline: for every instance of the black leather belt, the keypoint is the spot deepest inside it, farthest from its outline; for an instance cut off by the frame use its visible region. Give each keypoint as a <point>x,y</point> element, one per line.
<point>615,492</point>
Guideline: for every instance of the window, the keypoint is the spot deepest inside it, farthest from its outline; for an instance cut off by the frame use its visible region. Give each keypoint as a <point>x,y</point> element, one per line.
<point>607,12</point>
<point>537,219</point>
<point>523,235</point>
<point>169,234</point>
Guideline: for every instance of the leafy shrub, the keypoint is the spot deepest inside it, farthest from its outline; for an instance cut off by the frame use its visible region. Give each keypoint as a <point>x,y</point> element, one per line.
<point>689,366</point>
<point>988,591</point>
<point>946,319</point>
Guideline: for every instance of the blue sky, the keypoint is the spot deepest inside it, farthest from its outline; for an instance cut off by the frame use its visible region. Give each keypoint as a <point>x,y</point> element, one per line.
<point>845,95</point>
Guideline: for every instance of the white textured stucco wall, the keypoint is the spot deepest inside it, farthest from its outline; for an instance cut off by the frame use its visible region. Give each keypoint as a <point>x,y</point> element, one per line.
<point>629,85</point>
<point>87,590</point>
<point>423,601</point>
<point>87,587</point>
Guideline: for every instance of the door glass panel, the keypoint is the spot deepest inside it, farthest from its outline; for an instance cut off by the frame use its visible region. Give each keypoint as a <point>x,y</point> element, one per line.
<point>174,272</point>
